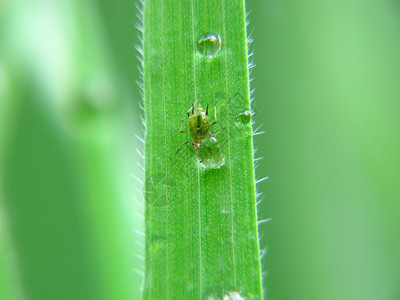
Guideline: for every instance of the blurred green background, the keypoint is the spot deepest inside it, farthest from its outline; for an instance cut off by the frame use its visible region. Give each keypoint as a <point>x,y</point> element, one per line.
<point>328,94</point>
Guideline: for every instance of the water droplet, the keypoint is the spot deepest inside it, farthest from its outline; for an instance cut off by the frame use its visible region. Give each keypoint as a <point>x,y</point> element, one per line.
<point>222,294</point>
<point>211,156</point>
<point>209,44</point>
<point>244,117</point>
<point>232,296</point>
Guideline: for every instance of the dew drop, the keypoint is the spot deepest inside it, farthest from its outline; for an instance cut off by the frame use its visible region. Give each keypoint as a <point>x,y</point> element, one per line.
<point>213,163</point>
<point>232,296</point>
<point>209,44</point>
<point>227,295</point>
<point>211,157</point>
<point>244,117</point>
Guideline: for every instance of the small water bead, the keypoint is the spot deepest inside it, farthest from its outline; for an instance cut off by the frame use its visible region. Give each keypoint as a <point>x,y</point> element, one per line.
<point>226,295</point>
<point>244,117</point>
<point>209,44</point>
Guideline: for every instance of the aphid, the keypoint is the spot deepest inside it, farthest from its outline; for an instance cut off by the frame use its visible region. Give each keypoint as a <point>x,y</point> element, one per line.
<point>199,126</point>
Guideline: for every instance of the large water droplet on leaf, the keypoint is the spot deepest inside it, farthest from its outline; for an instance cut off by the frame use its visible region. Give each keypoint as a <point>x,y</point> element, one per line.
<point>210,156</point>
<point>222,294</point>
<point>209,44</point>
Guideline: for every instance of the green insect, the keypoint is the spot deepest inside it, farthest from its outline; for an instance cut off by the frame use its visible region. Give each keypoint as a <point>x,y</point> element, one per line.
<point>199,126</point>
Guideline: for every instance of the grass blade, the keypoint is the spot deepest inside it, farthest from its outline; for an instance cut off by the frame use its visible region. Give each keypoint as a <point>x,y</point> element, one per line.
<point>201,224</point>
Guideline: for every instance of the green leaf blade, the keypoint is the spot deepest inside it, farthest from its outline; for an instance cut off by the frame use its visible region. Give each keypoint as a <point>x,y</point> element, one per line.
<point>201,229</point>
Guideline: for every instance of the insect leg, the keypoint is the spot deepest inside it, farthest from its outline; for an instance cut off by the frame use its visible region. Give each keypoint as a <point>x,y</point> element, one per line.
<point>213,135</point>
<point>192,107</point>
<point>218,131</point>
<point>181,131</point>
<point>207,110</point>
<point>215,115</point>
<point>182,146</point>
